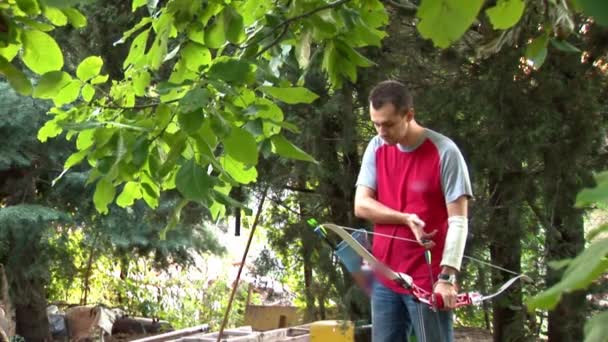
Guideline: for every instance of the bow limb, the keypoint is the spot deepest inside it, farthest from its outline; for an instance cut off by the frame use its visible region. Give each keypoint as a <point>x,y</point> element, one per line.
<point>503,288</point>
<point>402,279</point>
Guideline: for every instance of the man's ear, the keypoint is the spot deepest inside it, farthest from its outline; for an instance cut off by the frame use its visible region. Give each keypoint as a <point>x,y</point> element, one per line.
<point>409,114</point>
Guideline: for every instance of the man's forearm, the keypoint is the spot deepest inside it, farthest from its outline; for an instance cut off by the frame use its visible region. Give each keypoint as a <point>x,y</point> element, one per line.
<point>376,212</point>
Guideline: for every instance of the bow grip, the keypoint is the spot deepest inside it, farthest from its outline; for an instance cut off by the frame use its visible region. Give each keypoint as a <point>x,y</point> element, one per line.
<point>462,299</point>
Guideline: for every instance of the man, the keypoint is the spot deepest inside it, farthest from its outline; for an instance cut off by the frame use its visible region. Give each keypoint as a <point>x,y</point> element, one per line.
<point>413,185</point>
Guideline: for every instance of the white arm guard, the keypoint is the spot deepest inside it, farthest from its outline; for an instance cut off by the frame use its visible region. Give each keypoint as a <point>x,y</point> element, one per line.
<point>455,241</point>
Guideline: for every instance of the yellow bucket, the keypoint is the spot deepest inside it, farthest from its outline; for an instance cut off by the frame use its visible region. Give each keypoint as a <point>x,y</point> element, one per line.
<point>332,331</point>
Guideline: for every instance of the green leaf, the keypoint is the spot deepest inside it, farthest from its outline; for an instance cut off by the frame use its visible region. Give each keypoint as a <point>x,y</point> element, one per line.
<point>141,80</point>
<point>40,52</point>
<point>215,34</point>
<point>239,171</point>
<point>99,79</point>
<point>598,9</point>
<point>104,195</point>
<point>241,146</point>
<point>87,92</point>
<point>10,51</point>
<point>15,77</point>
<point>55,16</point>
<point>137,4</point>
<point>506,13</point>
<point>49,130</point>
<point>194,183</point>
<point>76,18</point>
<point>445,21</point>
<point>191,122</point>
<point>195,56</point>
<point>89,68</point>
<point>285,148</point>
<point>137,50</point>
<point>597,194</point>
<point>232,70</point>
<point>596,328</point>
<point>582,270</point>
<point>233,25</point>
<point>68,94</point>
<point>129,194</point>
<point>303,49</point>
<point>564,45</point>
<point>85,139</point>
<point>536,52</point>
<point>194,100</point>
<point>158,49</point>
<point>30,7</point>
<point>75,158</point>
<point>50,84</point>
<point>290,95</point>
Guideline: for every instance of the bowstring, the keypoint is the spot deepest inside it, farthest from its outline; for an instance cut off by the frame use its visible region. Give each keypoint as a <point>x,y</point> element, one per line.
<point>415,241</point>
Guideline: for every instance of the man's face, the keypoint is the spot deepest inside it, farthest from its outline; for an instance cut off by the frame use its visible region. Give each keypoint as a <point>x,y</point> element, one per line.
<point>389,123</point>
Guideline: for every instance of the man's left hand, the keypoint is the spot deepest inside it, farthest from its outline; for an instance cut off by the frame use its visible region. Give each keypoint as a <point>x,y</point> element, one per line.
<point>448,292</point>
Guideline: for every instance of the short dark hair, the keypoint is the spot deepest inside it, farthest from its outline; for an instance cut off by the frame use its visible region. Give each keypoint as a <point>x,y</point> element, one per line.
<point>393,92</point>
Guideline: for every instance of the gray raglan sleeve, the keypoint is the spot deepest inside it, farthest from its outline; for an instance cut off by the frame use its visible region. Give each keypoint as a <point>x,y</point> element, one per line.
<point>367,174</point>
<point>454,174</point>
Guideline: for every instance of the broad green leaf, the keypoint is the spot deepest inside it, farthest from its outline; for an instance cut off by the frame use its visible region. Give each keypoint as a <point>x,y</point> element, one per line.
<point>536,51</point>
<point>85,139</point>
<point>194,100</point>
<point>75,158</point>
<point>30,7</point>
<point>598,9</point>
<point>191,122</point>
<point>99,79</point>
<point>582,270</point>
<point>89,68</point>
<point>194,183</point>
<point>564,45</point>
<point>137,4</point>
<point>241,146</point>
<point>239,171</point>
<point>215,34</point>
<point>40,52</point>
<point>141,80</point>
<point>129,194</point>
<point>285,148</point>
<point>49,130</point>
<point>55,16</point>
<point>597,194</point>
<point>158,49</point>
<point>445,21</point>
<point>10,51</point>
<point>77,19</point>
<point>290,95</point>
<point>15,77</point>
<point>506,13</point>
<point>68,94</point>
<point>303,49</point>
<point>232,70</point>
<point>596,328</point>
<point>87,92</point>
<point>195,56</point>
<point>141,149</point>
<point>104,195</point>
<point>50,84</point>
<point>233,25</point>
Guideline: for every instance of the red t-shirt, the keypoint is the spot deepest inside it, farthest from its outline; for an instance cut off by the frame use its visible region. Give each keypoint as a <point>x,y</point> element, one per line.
<point>419,180</point>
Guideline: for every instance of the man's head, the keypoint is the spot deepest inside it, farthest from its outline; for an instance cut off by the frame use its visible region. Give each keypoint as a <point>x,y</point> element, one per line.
<point>391,109</point>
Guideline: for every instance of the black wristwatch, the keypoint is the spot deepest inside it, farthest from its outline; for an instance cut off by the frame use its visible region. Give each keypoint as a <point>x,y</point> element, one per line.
<point>448,278</point>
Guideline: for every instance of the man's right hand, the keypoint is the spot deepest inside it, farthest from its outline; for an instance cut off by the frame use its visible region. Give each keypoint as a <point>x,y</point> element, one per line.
<point>417,227</point>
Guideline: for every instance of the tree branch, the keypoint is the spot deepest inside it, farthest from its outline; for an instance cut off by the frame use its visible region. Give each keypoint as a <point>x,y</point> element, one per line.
<point>285,25</point>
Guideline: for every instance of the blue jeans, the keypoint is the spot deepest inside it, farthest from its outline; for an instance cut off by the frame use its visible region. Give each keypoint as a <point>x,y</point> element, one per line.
<point>394,315</point>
